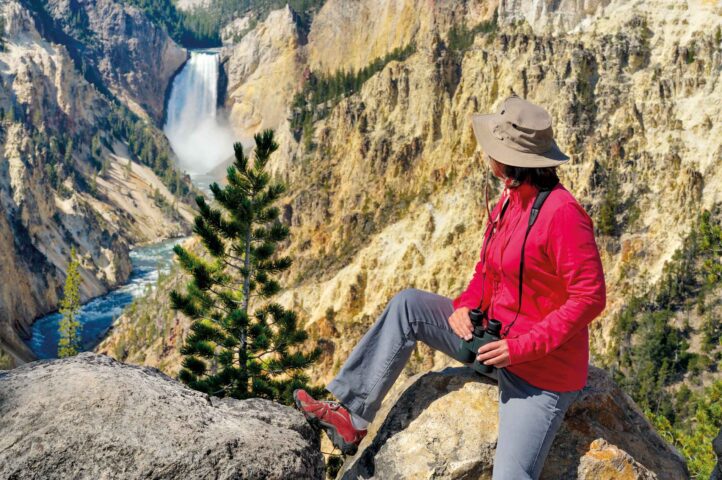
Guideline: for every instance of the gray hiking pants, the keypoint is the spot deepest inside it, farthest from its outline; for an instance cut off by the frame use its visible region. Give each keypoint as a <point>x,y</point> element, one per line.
<point>529,417</point>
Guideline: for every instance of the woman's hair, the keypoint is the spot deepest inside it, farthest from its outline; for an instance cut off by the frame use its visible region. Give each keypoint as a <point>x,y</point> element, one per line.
<point>541,177</point>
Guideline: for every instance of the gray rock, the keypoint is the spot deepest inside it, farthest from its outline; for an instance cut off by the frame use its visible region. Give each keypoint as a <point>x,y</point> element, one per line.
<point>92,417</point>
<point>444,425</point>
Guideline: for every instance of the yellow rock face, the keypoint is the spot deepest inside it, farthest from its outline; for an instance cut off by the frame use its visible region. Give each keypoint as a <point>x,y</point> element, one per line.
<point>264,70</point>
<point>604,461</point>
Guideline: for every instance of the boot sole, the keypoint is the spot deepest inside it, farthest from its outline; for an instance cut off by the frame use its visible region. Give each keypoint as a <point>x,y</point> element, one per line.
<point>336,438</point>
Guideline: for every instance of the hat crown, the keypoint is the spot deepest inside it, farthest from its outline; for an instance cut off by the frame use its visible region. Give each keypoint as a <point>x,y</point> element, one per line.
<point>523,126</point>
<point>524,113</point>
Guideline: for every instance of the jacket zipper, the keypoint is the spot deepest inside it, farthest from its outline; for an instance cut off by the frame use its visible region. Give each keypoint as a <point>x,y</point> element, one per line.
<point>504,224</point>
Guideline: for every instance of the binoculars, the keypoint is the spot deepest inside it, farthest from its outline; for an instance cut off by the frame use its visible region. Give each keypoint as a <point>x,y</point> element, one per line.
<point>468,350</point>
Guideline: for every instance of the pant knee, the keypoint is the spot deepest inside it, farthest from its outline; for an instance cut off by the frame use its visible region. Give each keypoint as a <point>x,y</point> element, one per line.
<point>402,307</point>
<point>406,295</point>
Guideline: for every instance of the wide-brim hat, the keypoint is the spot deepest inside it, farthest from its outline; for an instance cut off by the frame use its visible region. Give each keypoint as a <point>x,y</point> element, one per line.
<point>519,133</point>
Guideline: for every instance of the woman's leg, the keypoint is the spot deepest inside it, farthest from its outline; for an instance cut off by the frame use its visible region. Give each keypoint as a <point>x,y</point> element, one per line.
<point>529,419</point>
<point>381,354</point>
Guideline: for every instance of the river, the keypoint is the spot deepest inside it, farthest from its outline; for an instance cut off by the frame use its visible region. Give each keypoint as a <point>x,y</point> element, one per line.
<point>97,316</point>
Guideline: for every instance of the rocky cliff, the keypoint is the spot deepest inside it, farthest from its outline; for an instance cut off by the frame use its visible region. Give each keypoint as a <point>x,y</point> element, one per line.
<point>91,417</point>
<point>553,17</point>
<point>266,55</point>
<point>77,169</point>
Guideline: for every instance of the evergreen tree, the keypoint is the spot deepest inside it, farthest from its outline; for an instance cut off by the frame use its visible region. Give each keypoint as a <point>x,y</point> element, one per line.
<point>69,327</point>
<point>237,348</point>
<point>2,33</point>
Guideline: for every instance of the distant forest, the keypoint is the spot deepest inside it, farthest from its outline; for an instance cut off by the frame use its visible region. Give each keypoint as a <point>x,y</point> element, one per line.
<point>200,26</point>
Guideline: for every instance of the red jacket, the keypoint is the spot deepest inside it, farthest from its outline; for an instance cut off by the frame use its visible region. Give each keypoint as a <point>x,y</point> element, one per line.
<point>563,286</point>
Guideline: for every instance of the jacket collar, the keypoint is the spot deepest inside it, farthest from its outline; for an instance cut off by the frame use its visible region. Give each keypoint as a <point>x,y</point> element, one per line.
<point>523,193</point>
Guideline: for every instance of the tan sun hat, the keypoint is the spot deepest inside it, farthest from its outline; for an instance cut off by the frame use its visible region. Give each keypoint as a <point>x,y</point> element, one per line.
<point>519,134</point>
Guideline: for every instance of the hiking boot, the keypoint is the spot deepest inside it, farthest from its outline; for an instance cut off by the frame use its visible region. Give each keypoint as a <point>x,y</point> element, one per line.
<point>333,417</point>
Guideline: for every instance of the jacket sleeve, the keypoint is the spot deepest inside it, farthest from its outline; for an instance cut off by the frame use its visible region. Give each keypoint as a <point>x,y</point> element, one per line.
<point>573,251</point>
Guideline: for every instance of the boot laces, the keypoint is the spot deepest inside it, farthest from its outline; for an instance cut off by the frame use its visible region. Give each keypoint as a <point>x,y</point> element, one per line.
<point>332,405</point>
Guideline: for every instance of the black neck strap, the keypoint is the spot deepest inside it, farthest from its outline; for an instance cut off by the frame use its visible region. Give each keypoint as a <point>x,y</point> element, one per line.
<point>538,202</point>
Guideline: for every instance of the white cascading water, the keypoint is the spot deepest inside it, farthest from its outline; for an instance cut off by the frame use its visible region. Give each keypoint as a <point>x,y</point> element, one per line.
<point>197,132</point>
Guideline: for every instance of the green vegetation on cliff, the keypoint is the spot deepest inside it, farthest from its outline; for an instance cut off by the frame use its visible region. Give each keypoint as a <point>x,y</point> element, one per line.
<point>236,347</point>
<point>460,37</point>
<point>149,147</point>
<point>61,151</point>
<point>321,92</point>
<point>146,143</point>
<point>189,30</point>
<point>200,26</point>
<point>2,33</point>
<point>208,20</point>
<point>693,437</point>
<point>652,358</point>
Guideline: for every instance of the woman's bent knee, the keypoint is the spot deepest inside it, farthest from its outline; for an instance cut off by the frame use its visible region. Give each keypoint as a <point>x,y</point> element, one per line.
<point>407,294</point>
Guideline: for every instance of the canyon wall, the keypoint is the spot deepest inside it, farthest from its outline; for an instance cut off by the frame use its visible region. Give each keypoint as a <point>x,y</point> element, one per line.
<point>71,174</point>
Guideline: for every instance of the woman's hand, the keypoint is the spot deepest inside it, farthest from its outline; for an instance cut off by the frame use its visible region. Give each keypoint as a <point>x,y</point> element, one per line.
<point>460,323</point>
<point>494,353</point>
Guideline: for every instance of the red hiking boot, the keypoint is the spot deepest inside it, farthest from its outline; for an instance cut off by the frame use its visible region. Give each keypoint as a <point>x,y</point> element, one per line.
<point>333,417</point>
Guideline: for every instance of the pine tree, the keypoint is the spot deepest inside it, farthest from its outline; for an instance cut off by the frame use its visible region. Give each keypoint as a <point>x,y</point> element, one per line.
<point>2,33</point>
<point>237,348</point>
<point>69,343</point>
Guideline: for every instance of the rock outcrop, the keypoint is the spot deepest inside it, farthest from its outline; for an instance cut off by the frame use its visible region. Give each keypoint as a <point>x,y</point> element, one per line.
<point>264,69</point>
<point>443,425</point>
<point>91,417</point>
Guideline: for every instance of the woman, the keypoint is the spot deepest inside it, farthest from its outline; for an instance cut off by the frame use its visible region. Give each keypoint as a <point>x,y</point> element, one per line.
<point>542,357</point>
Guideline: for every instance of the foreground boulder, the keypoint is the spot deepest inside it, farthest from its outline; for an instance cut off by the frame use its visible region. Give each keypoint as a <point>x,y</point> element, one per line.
<point>444,426</point>
<point>92,417</point>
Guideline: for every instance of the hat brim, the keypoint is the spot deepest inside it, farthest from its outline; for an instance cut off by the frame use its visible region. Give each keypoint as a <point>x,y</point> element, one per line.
<point>495,148</point>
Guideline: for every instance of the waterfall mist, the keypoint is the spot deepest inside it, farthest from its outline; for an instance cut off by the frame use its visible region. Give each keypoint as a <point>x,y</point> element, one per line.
<point>198,132</point>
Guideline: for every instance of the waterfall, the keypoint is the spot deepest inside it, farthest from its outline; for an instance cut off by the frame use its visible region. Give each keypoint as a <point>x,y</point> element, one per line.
<point>198,133</point>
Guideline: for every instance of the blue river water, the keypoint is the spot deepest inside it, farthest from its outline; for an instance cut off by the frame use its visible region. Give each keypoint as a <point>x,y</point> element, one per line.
<point>97,316</point>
